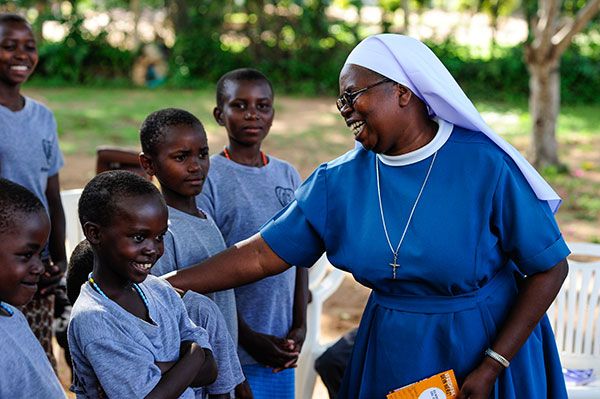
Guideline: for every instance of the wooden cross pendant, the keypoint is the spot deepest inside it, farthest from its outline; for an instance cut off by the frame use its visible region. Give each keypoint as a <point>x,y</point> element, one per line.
<point>394,265</point>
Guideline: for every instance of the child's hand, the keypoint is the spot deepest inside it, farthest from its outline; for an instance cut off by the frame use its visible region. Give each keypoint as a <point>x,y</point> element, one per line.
<point>243,391</point>
<point>270,350</point>
<point>50,279</point>
<point>297,336</point>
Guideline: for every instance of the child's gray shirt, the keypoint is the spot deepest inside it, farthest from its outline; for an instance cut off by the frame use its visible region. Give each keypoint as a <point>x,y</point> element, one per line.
<point>190,240</point>
<point>205,313</point>
<point>29,151</point>
<point>118,351</point>
<point>26,371</point>
<point>241,199</point>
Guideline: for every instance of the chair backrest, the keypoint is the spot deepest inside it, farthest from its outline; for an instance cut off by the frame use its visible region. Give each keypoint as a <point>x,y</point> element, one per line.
<point>575,313</point>
<point>113,158</point>
<point>73,231</point>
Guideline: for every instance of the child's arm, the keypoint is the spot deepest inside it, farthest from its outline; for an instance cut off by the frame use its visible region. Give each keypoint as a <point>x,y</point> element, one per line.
<point>297,333</point>
<point>185,373</point>
<point>56,242</point>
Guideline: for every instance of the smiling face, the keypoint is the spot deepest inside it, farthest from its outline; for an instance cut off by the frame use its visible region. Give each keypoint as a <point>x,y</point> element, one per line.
<point>20,262</point>
<point>18,53</point>
<point>376,116</point>
<point>132,242</point>
<point>247,112</point>
<point>181,163</point>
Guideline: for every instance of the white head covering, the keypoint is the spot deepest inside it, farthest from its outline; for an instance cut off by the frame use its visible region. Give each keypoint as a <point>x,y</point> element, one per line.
<point>411,63</point>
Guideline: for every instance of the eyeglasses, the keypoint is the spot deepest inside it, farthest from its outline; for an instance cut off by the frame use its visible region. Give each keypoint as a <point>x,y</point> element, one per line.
<point>347,99</point>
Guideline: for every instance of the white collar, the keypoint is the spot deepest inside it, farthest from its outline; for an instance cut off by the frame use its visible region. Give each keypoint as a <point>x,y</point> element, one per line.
<point>440,138</point>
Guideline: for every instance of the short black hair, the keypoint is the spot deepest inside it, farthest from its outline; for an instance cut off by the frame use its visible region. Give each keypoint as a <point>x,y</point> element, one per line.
<point>100,198</point>
<point>81,264</point>
<point>242,74</point>
<point>15,202</point>
<point>155,126</point>
<point>7,18</point>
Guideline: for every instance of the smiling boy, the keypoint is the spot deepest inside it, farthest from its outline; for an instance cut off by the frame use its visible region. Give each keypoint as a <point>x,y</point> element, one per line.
<point>24,228</point>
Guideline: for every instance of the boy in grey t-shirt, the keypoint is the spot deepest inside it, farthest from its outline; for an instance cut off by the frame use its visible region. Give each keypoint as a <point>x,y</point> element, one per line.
<point>175,150</point>
<point>24,227</point>
<point>129,333</point>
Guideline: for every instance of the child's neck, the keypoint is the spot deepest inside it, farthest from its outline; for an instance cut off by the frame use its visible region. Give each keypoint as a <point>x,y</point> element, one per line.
<point>111,284</point>
<point>11,98</point>
<point>183,203</point>
<point>120,291</point>
<point>249,156</point>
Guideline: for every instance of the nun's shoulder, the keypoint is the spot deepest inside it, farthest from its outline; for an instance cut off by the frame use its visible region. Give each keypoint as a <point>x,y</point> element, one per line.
<point>464,141</point>
<point>349,159</point>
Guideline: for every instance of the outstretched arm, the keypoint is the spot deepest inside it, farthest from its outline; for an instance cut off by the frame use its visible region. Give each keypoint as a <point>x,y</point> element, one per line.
<point>245,262</point>
<point>56,242</point>
<point>535,296</point>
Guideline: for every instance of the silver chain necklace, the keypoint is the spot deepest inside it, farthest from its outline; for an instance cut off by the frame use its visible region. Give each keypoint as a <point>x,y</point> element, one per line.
<point>395,264</point>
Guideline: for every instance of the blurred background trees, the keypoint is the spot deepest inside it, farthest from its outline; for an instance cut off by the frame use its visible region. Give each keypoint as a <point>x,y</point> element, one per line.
<point>301,45</point>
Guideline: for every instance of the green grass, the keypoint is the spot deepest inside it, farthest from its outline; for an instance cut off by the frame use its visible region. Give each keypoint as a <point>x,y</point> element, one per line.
<point>88,117</point>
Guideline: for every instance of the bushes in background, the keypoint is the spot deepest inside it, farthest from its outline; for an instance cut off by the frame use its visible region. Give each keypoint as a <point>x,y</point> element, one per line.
<point>307,65</point>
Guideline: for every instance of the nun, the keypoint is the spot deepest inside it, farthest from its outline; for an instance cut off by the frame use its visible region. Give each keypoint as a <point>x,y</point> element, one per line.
<point>451,228</point>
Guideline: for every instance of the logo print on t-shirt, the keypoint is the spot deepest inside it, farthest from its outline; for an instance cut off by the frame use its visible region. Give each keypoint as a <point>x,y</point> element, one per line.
<point>47,145</point>
<point>284,195</point>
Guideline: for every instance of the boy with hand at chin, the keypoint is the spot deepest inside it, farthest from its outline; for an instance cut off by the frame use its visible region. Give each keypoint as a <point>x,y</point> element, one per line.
<point>129,333</point>
<point>24,229</point>
<point>175,150</point>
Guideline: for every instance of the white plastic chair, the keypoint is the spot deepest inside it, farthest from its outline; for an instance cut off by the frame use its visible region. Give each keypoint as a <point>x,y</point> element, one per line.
<point>575,318</point>
<point>323,280</point>
<point>73,231</point>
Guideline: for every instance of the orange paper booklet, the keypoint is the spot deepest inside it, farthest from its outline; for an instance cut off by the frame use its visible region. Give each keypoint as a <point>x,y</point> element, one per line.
<point>439,386</point>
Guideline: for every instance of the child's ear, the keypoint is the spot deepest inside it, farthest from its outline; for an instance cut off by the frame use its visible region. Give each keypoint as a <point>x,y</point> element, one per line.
<point>218,114</point>
<point>146,163</point>
<point>92,232</point>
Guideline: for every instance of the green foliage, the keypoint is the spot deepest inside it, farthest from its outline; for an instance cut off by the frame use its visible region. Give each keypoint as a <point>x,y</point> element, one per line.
<point>299,48</point>
<point>82,58</point>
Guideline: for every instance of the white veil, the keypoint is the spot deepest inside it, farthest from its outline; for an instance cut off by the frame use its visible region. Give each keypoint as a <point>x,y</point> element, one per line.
<point>412,64</point>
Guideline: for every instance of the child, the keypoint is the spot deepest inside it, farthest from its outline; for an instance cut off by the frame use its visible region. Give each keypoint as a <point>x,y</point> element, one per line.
<point>175,150</point>
<point>24,229</point>
<point>29,155</point>
<point>243,190</point>
<point>129,333</point>
<point>201,310</point>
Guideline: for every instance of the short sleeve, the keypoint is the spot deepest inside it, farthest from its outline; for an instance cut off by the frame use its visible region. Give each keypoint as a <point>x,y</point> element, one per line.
<point>206,314</point>
<point>57,161</point>
<point>138,374</point>
<point>525,225</point>
<point>296,233</point>
<point>189,331</point>
<point>205,200</point>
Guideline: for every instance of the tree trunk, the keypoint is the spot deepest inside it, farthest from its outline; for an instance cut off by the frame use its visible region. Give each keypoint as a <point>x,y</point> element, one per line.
<point>544,105</point>
<point>406,17</point>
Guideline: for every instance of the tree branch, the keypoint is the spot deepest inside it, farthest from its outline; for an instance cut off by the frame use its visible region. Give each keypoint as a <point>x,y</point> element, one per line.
<point>562,39</point>
<point>546,24</point>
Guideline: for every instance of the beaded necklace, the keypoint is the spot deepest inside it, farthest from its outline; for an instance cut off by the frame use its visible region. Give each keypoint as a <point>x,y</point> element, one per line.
<point>99,291</point>
<point>7,309</point>
<point>262,156</point>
